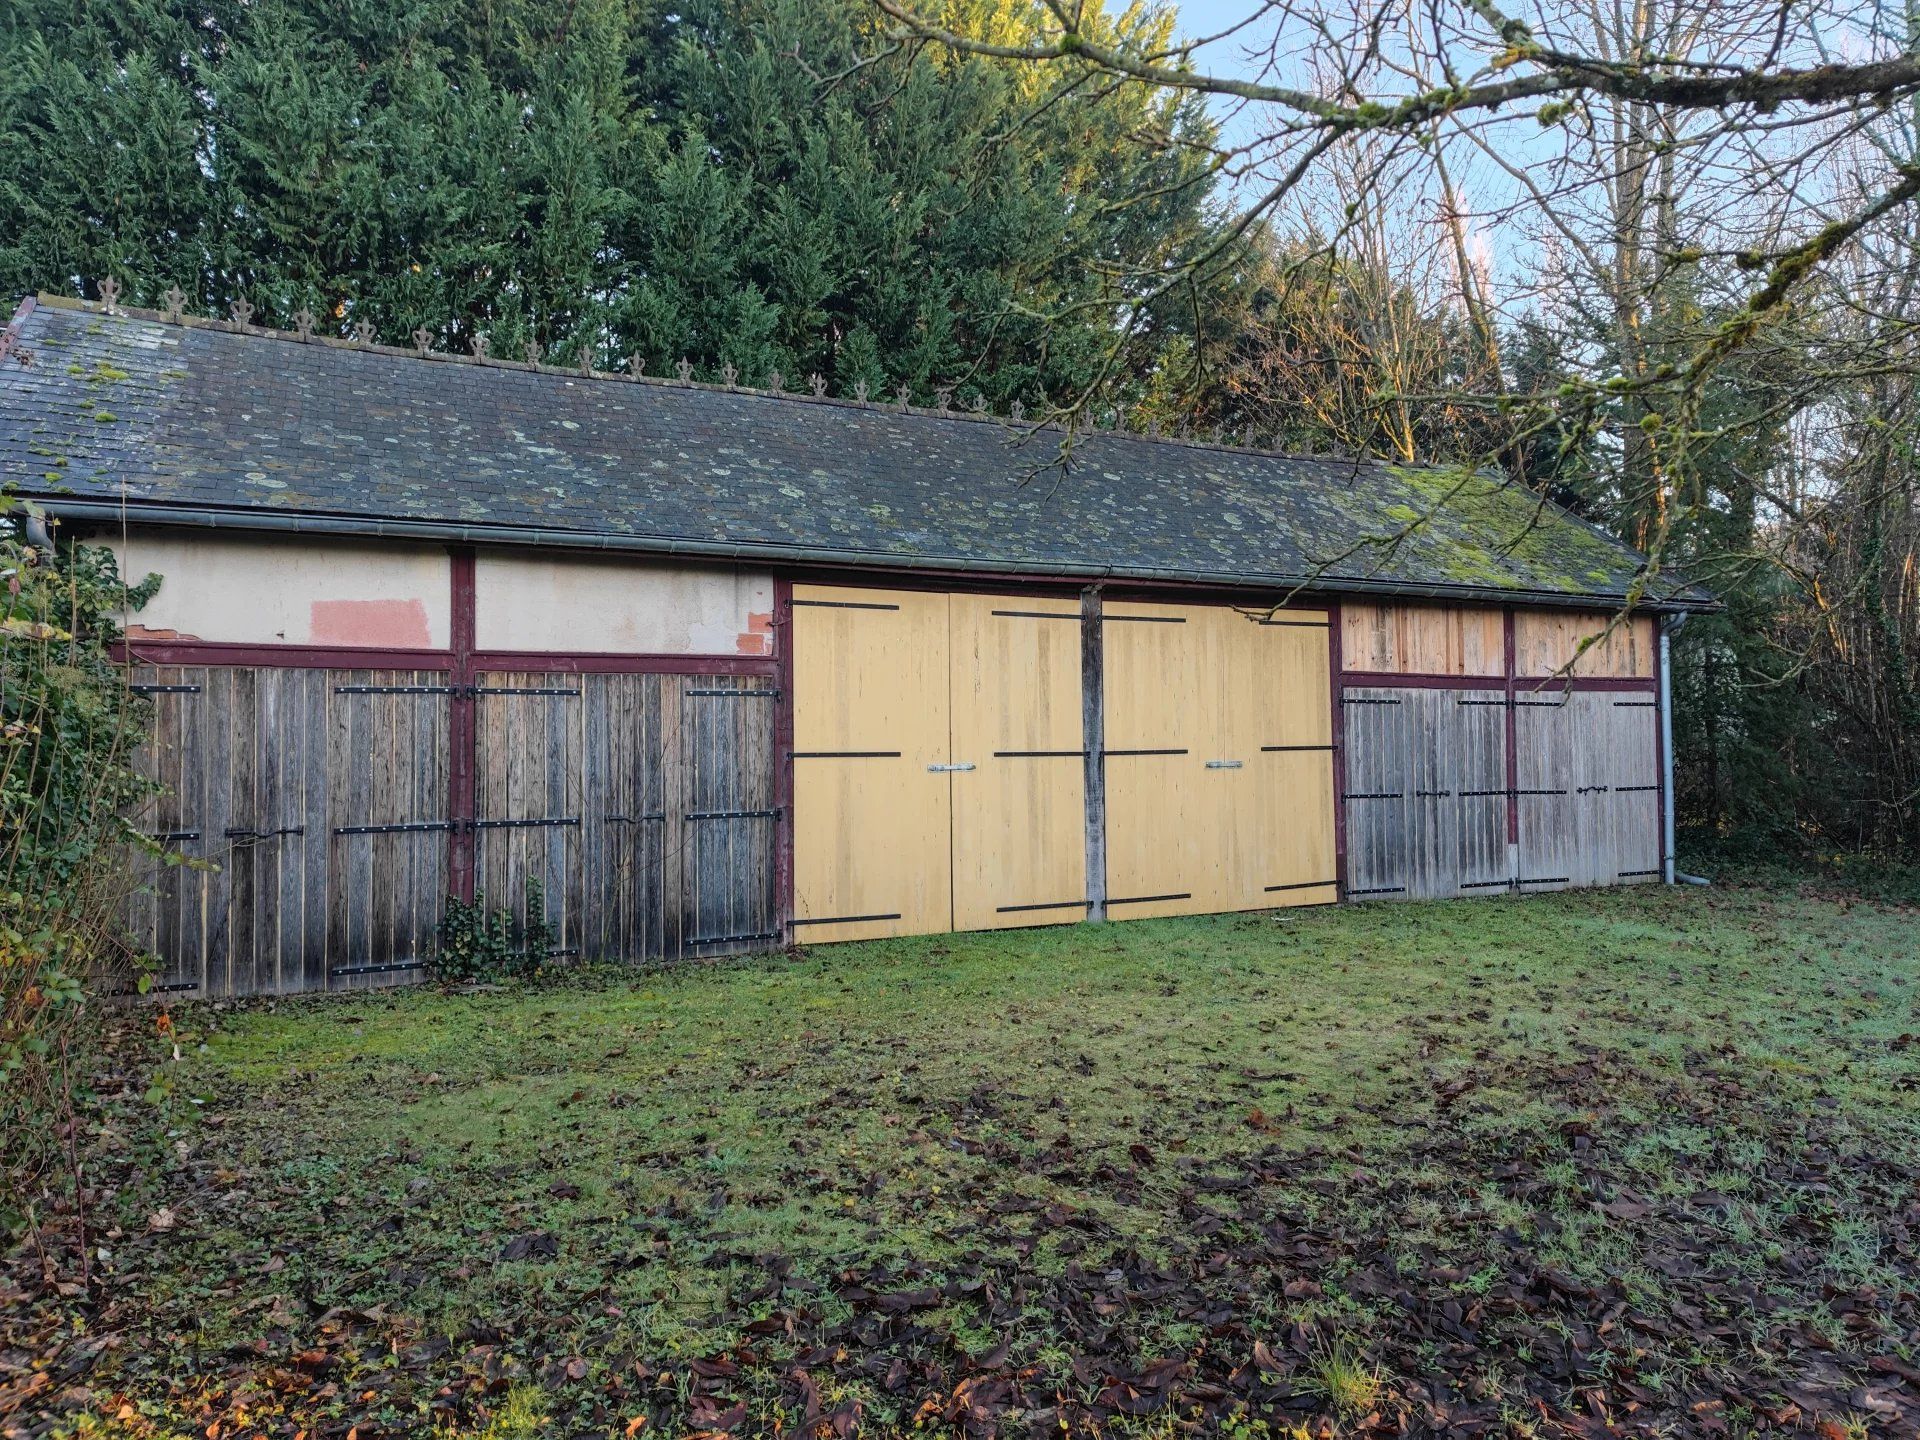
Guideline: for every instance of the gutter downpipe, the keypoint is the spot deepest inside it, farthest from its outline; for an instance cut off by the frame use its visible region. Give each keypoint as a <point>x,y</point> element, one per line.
<point>1668,624</point>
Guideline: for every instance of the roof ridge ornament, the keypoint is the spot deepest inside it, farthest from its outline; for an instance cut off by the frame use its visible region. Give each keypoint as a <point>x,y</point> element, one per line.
<point>585,357</point>
<point>303,324</point>
<point>423,341</point>
<point>978,403</point>
<point>943,399</point>
<point>480,344</point>
<point>109,289</point>
<point>728,374</point>
<point>1018,412</point>
<point>364,335</point>
<point>776,382</point>
<point>175,301</point>
<point>818,384</point>
<point>860,391</point>
<point>636,365</point>
<point>534,351</point>
<point>685,369</point>
<point>903,392</point>
<point>242,312</point>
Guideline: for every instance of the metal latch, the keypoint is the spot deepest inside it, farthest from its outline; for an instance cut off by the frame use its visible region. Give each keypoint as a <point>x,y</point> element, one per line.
<point>948,769</point>
<point>1225,764</point>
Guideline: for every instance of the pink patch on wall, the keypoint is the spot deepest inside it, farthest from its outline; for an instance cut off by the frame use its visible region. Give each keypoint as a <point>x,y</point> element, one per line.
<point>391,624</point>
<point>757,638</point>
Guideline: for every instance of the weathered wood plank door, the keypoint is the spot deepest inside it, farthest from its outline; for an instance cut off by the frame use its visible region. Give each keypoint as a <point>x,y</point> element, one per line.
<point>529,763</point>
<point>1019,808</point>
<point>1589,787</point>
<point>631,736</point>
<point>872,794</point>
<point>728,821</point>
<point>385,735</point>
<point>1426,796</point>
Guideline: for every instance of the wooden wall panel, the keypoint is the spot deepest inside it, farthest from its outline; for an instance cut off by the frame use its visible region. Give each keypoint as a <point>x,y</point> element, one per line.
<point>1547,640</point>
<point>529,761</point>
<point>630,739</point>
<point>872,820</point>
<point>729,824</point>
<point>1019,816</point>
<point>1422,639</point>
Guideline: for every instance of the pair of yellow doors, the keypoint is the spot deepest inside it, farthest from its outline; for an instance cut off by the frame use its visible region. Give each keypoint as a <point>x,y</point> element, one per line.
<point>939,761</point>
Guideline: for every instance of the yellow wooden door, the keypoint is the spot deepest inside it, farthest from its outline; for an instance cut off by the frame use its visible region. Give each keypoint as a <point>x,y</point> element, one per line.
<point>1276,729</point>
<point>871,797</point>
<point>1164,817</point>
<point>1019,806</point>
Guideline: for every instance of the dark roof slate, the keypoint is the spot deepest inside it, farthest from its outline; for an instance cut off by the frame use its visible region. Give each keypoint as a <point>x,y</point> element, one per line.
<point>97,406</point>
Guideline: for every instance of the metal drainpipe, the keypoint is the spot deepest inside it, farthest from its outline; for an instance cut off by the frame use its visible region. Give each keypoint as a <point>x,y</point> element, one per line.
<point>1668,624</point>
<point>35,529</point>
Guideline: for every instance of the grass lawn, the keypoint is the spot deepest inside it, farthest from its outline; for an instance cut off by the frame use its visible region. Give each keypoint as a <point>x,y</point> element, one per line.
<point>1626,1163</point>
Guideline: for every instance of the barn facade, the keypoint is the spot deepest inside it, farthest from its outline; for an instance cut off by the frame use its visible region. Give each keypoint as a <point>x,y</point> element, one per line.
<point>721,669</point>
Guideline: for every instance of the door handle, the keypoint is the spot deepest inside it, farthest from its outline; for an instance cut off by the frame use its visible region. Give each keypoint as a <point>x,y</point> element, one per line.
<point>949,769</point>
<point>1224,764</point>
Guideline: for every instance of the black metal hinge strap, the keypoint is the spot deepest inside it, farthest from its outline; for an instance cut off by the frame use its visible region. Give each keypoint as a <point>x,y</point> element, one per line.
<point>1298,624</point>
<point>1144,752</point>
<point>1301,885</point>
<point>634,819</point>
<point>1549,880</point>
<point>1287,749</point>
<point>1351,700</point>
<point>733,815</point>
<point>1593,789</point>
<point>402,690</point>
<point>735,939</point>
<point>1636,704</point>
<point>740,694</point>
<point>1543,704</point>
<point>1633,789</point>
<point>1537,792</point>
<point>847,919</point>
<point>1501,703</point>
<point>1433,794</point>
<point>1372,795</point>
<point>1381,890</point>
<point>1487,884</point>
<point>1637,874</point>
<point>1476,794</point>
<point>1056,905</point>
<point>1146,620</point>
<point>165,690</point>
<point>478,691</point>
<point>1148,899</point>
<point>846,605</point>
<point>167,837</point>
<point>529,824</point>
<point>1039,754</point>
<point>1039,614</point>
<point>846,754</point>
<point>158,989</point>
<point>241,833</point>
<point>411,825</point>
<point>378,969</point>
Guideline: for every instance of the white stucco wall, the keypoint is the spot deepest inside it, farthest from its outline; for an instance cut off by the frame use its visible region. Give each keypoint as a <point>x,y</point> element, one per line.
<point>266,590</point>
<point>609,606</point>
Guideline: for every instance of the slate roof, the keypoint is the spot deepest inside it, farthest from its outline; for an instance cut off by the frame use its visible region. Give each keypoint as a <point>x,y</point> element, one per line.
<point>196,421</point>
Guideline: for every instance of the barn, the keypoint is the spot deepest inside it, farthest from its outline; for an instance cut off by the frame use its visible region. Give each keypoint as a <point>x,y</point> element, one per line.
<point>720,668</point>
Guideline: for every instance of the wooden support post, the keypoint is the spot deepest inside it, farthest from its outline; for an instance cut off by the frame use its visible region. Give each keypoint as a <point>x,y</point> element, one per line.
<point>783,757</point>
<point>462,731</point>
<point>1093,731</point>
<point>1513,748</point>
<point>1337,735</point>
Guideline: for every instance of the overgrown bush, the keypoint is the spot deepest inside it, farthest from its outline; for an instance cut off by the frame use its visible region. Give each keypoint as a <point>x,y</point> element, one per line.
<point>480,944</point>
<point>69,724</point>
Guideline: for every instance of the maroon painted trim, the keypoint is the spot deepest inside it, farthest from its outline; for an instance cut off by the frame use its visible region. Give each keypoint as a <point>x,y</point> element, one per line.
<point>304,657</point>
<point>783,754</point>
<point>1389,680</point>
<point>1510,646</point>
<point>462,728</point>
<point>992,582</point>
<point>1338,735</point>
<point>577,663</point>
<point>1640,683</point>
